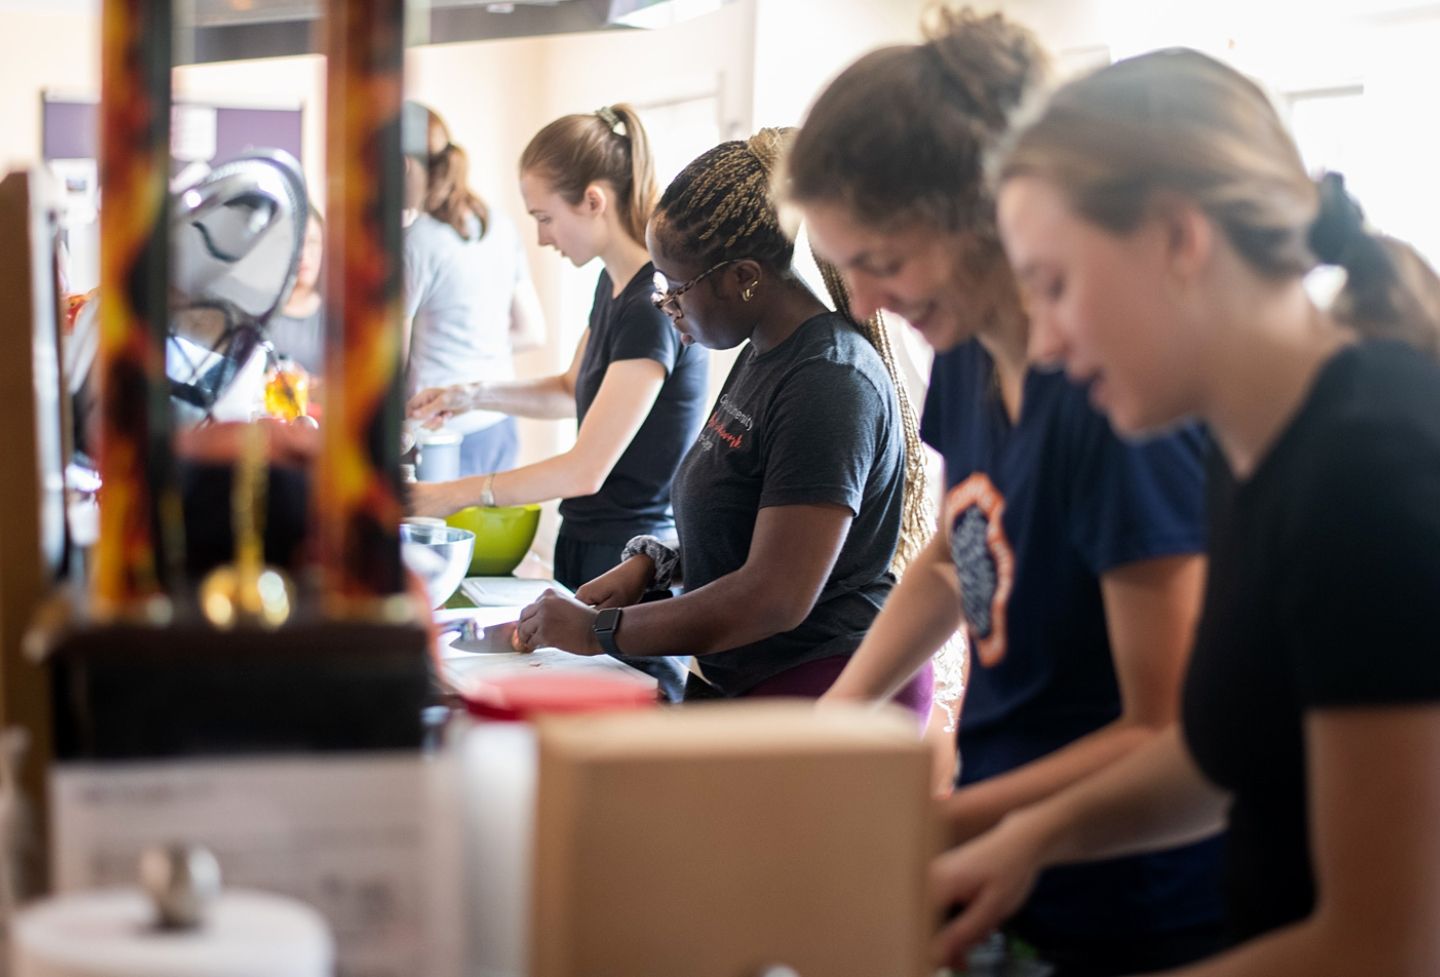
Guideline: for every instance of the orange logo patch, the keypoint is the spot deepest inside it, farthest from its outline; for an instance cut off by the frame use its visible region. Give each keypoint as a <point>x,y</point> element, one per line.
<point>984,561</point>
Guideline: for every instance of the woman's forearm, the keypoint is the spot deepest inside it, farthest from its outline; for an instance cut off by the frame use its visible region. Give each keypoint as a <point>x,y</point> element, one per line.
<point>920,615</point>
<point>544,398</point>
<point>1154,798</point>
<point>560,477</point>
<point>565,476</point>
<point>731,612</point>
<point>980,806</point>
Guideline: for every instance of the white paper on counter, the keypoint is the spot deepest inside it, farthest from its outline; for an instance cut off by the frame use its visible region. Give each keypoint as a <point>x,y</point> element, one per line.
<point>506,591</point>
<point>460,668</point>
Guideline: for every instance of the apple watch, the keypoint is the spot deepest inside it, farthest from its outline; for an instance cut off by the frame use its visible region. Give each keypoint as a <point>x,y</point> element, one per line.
<point>606,623</point>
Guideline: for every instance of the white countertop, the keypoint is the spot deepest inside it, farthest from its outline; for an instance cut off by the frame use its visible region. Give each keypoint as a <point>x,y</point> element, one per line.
<point>501,599</point>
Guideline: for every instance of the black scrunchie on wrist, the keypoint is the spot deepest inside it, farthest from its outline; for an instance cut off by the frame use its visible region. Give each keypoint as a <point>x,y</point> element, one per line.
<point>1339,225</point>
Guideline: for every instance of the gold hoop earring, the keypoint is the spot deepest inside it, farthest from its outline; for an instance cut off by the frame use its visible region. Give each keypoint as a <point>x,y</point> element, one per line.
<point>748,293</point>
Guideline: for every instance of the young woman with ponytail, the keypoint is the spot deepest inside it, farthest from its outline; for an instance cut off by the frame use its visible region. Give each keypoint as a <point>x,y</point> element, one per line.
<point>1072,559</point>
<point>469,300</point>
<point>791,504</point>
<point>1160,223</point>
<point>636,391</point>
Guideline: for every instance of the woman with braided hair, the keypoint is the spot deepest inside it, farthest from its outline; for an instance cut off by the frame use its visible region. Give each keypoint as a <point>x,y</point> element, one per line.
<point>790,505</point>
<point>1072,559</point>
<point>638,394</point>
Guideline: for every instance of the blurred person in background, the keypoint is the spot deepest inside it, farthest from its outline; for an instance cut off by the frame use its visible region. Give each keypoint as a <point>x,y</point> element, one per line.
<point>469,301</point>
<point>297,329</point>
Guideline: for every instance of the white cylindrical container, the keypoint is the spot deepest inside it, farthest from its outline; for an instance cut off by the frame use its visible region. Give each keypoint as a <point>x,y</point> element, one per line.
<point>113,934</point>
<point>498,775</point>
<point>498,797</point>
<point>439,456</point>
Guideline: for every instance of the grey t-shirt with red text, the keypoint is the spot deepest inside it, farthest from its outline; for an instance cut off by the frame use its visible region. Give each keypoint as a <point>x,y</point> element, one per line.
<point>813,421</point>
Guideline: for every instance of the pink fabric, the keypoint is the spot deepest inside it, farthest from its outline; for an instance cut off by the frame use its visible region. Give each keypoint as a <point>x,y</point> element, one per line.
<point>812,679</point>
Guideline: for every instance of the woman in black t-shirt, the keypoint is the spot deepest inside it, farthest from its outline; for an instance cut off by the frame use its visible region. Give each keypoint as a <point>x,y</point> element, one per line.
<point>790,505</point>
<point>637,394</point>
<point>1160,222</point>
<point>588,180</point>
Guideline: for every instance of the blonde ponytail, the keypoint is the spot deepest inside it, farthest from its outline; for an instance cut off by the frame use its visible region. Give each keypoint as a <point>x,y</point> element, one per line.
<point>608,145</point>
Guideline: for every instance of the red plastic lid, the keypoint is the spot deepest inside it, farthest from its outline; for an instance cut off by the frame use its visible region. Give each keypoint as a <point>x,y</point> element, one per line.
<point>525,696</point>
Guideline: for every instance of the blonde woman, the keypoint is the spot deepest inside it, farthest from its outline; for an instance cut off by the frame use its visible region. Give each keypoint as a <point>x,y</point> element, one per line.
<point>636,391</point>
<point>1160,222</point>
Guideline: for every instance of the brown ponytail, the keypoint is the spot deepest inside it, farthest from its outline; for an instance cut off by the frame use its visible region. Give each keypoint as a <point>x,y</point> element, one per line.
<point>721,207</point>
<point>608,145</point>
<point>1182,122</point>
<point>1389,289</point>
<point>902,135</point>
<point>448,197</point>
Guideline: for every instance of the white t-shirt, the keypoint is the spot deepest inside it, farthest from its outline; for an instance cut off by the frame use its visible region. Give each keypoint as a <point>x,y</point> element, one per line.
<point>458,294</point>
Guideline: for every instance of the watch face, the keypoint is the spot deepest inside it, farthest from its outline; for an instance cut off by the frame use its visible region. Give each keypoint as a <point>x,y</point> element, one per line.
<point>607,619</point>
<point>604,628</point>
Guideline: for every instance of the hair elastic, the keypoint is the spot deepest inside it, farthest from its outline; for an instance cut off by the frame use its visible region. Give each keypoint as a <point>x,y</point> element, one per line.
<point>611,118</point>
<point>1339,224</point>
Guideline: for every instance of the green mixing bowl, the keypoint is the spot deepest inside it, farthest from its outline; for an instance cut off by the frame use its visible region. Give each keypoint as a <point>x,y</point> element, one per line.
<point>502,536</point>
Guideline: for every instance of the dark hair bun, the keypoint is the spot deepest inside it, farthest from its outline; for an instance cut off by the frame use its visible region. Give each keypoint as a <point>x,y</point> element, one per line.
<point>992,62</point>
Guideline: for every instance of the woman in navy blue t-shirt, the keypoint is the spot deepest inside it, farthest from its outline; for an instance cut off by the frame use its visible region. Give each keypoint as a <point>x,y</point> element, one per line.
<point>1072,559</point>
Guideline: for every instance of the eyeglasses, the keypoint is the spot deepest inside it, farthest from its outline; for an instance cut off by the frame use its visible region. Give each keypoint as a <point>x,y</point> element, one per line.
<point>667,299</point>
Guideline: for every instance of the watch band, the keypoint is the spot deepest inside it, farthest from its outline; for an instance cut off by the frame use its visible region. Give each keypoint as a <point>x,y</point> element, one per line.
<point>487,491</point>
<point>606,623</point>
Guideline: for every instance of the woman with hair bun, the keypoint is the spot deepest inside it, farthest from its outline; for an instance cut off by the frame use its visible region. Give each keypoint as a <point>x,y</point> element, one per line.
<point>637,393</point>
<point>1072,559</point>
<point>806,477</point>
<point>1161,222</point>
<point>469,300</point>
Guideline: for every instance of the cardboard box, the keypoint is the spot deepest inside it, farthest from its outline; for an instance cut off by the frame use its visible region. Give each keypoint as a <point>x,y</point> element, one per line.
<point>717,840</point>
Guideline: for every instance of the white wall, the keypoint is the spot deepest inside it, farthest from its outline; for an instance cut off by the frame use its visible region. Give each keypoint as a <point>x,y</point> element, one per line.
<point>39,50</point>
<point>763,61</point>
<point>1390,150</point>
<point>297,82</point>
<point>801,44</point>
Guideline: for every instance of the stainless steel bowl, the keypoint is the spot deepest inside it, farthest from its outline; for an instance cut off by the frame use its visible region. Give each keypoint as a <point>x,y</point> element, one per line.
<point>439,555</point>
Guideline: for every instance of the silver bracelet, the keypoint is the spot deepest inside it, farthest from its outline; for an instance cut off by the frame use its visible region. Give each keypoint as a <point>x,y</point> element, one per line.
<point>665,558</point>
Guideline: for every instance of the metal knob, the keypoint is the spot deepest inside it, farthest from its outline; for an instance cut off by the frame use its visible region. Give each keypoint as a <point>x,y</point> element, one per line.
<point>777,970</point>
<point>183,881</point>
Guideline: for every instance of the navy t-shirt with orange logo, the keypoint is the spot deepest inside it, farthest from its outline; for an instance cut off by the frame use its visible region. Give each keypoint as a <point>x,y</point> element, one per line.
<point>1037,511</point>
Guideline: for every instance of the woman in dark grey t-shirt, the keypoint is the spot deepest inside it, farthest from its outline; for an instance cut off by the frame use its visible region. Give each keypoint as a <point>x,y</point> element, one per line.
<point>790,505</point>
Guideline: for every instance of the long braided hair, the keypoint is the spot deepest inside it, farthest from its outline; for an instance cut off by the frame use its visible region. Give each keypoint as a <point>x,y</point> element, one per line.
<point>722,207</point>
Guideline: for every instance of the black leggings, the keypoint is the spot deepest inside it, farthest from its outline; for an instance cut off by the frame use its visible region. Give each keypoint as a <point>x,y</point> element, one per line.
<point>1139,955</point>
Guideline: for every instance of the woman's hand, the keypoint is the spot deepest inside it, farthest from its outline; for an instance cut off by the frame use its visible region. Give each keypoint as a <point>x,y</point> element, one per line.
<point>557,621</point>
<point>620,587</point>
<point>987,880</point>
<point>432,499</point>
<point>433,406</point>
